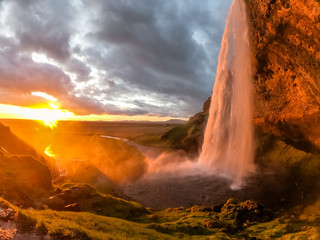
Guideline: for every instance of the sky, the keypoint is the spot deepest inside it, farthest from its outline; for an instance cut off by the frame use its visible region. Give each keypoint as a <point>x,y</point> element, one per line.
<point>135,59</point>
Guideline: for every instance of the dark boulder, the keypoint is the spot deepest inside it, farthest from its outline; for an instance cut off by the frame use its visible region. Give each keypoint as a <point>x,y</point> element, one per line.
<point>55,203</point>
<point>248,211</point>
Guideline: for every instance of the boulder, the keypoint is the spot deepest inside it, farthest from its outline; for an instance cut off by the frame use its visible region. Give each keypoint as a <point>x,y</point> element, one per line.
<point>7,214</point>
<point>248,211</point>
<point>55,203</point>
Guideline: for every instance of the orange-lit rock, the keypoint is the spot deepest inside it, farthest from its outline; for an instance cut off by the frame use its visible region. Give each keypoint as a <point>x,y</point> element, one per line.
<point>285,36</point>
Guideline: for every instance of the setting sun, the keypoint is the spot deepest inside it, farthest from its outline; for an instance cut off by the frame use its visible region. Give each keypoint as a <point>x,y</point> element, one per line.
<point>49,113</point>
<point>49,116</point>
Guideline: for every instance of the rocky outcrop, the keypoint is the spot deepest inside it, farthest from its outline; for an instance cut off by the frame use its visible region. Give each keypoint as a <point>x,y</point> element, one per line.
<point>189,136</point>
<point>285,40</point>
<point>13,145</point>
<point>83,197</point>
<point>24,174</point>
<point>285,36</point>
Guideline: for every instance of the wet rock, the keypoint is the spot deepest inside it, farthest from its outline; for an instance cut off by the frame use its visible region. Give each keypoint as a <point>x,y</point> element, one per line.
<point>74,207</point>
<point>58,190</point>
<point>7,214</point>
<point>248,211</point>
<point>7,234</point>
<point>217,208</point>
<point>212,224</point>
<point>55,203</point>
<point>77,192</point>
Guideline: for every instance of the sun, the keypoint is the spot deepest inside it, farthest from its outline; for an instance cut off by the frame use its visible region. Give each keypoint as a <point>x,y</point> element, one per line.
<point>49,152</point>
<point>49,113</point>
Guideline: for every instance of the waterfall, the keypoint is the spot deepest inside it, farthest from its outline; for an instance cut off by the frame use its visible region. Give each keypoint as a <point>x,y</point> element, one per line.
<point>228,141</point>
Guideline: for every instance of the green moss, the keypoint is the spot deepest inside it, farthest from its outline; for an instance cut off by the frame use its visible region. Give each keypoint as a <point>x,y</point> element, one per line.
<point>175,136</point>
<point>89,200</point>
<point>88,226</point>
<point>179,223</point>
<point>23,179</point>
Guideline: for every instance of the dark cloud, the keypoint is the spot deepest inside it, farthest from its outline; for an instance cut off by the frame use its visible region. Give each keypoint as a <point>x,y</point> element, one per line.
<point>79,68</point>
<point>154,46</point>
<point>141,57</point>
<point>19,74</point>
<point>42,26</point>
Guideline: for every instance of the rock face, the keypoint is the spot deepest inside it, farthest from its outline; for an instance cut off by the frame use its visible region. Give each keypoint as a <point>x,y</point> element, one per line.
<point>189,136</point>
<point>285,40</point>
<point>285,36</point>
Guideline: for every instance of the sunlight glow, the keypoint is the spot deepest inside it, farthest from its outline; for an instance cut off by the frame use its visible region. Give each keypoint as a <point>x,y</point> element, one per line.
<point>49,152</point>
<point>49,116</point>
<point>45,96</point>
<point>52,114</point>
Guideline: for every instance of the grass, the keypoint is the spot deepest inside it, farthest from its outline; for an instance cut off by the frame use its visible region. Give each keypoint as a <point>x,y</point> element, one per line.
<point>86,226</point>
<point>178,223</point>
<point>70,225</point>
<point>175,224</point>
<point>86,172</point>
<point>174,137</point>
<point>187,136</point>
<point>23,179</point>
<point>89,200</point>
<point>300,167</point>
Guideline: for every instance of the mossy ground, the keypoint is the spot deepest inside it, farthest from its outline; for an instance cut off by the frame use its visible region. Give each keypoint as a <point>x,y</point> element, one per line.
<point>89,200</point>
<point>299,170</point>
<point>23,179</point>
<point>178,223</point>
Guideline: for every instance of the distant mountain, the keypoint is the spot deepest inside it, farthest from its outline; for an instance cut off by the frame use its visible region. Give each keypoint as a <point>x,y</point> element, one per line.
<point>176,121</point>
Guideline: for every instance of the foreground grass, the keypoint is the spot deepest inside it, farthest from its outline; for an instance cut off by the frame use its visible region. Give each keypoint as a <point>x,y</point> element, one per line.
<point>71,225</point>
<point>178,223</point>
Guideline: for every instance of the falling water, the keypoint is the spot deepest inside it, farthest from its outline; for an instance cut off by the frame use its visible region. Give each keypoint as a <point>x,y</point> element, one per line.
<point>228,140</point>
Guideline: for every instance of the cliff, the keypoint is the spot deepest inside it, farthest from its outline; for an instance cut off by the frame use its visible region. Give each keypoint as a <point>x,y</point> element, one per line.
<point>189,136</point>
<point>285,37</point>
<point>285,41</point>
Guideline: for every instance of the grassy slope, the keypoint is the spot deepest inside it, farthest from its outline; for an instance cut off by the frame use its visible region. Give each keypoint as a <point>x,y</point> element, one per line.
<point>23,179</point>
<point>300,167</point>
<point>170,224</point>
<point>89,200</point>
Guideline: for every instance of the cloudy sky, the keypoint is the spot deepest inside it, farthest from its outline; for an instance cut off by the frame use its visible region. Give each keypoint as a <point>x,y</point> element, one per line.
<point>118,57</point>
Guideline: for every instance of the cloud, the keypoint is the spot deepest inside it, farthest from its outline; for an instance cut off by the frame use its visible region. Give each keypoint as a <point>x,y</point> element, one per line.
<point>144,57</point>
<point>41,26</point>
<point>20,76</point>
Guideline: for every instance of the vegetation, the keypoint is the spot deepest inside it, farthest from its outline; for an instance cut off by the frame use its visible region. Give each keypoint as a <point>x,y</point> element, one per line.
<point>234,220</point>
<point>23,179</point>
<point>299,170</point>
<point>94,215</point>
<point>89,200</point>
